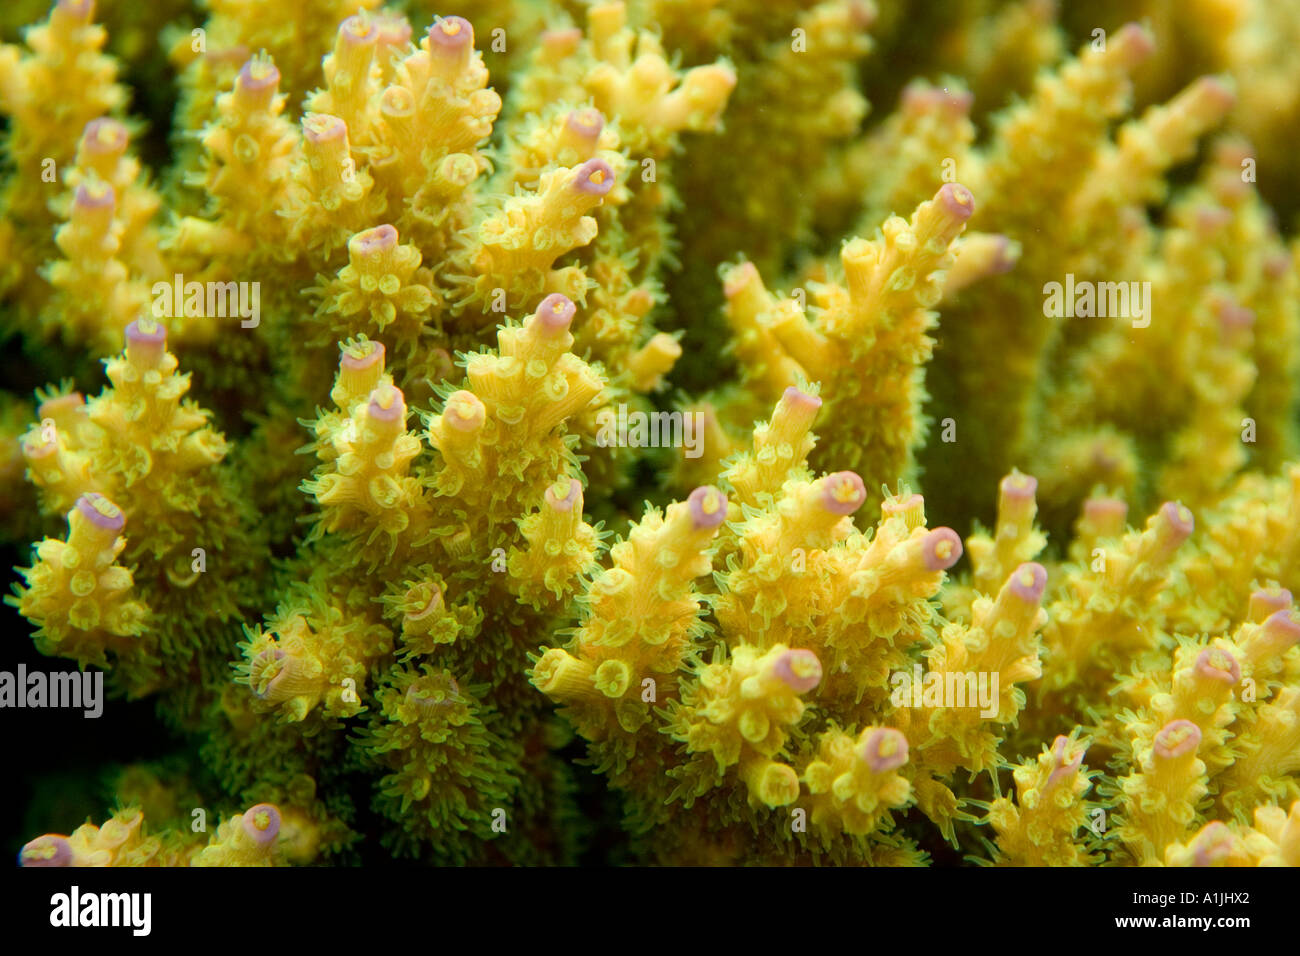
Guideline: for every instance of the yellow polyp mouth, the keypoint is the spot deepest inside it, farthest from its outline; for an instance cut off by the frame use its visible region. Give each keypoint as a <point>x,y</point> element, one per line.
<point>597,177</point>
<point>805,666</point>
<point>321,125</point>
<point>262,820</point>
<point>1026,579</point>
<point>561,488</point>
<point>450,27</point>
<point>1219,661</point>
<point>397,100</point>
<point>360,350</point>
<point>261,66</point>
<point>943,550</point>
<point>846,492</point>
<point>361,26</point>
<point>466,412</point>
<point>962,197</point>
<point>386,399</point>
<point>108,135</point>
<point>886,745</point>
<point>105,507</point>
<point>710,503</point>
<point>146,325</point>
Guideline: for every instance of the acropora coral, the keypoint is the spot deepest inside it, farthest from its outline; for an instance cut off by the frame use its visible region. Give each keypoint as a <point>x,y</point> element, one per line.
<point>646,431</point>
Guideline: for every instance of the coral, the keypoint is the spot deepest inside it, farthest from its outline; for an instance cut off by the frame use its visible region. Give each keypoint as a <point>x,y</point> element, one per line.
<point>528,432</point>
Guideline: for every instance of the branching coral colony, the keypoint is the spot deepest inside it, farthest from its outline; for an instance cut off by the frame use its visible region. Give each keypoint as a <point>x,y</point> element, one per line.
<point>435,262</point>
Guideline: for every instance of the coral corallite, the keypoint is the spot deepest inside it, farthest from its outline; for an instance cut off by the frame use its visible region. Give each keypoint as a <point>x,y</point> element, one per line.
<point>541,433</point>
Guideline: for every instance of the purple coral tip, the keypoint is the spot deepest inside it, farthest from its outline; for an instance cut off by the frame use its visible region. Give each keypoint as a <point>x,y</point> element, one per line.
<point>1028,582</point>
<point>1106,510</point>
<point>594,177</point>
<point>1004,259</point>
<point>1177,739</point>
<point>799,669</point>
<point>1061,768</point>
<point>262,823</point>
<point>95,195</point>
<point>792,396</point>
<point>1136,42</point>
<point>556,312</point>
<point>1233,316</point>
<point>843,493</point>
<point>146,338</point>
<point>1180,519</point>
<point>451,35</point>
<point>429,598</point>
<point>957,200</point>
<point>1212,844</point>
<point>104,137</point>
<point>52,849</point>
<point>1263,602</point>
<point>387,404</point>
<point>1019,487</point>
<point>920,97</point>
<point>1219,90</point>
<point>885,749</point>
<point>1216,664</point>
<point>101,512</point>
<point>562,495</point>
<point>265,670</point>
<point>464,411</point>
<point>258,75</point>
<point>561,41</point>
<point>373,241</point>
<point>362,356</point>
<point>708,507</point>
<point>359,30</point>
<point>1283,626</point>
<point>82,10</point>
<point>585,124</point>
<point>738,278</point>
<point>433,692</point>
<point>321,128</point>
<point>941,549</point>
<point>74,401</point>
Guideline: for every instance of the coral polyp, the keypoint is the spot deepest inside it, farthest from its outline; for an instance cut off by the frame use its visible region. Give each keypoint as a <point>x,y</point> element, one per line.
<point>540,432</point>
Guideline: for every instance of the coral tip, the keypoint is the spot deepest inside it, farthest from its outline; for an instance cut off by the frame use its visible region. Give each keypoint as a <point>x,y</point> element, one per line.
<point>957,200</point>
<point>373,241</point>
<point>51,849</point>
<point>562,495</point>
<point>941,549</point>
<point>1177,739</point>
<point>799,669</point>
<point>556,312</point>
<point>262,823</point>
<point>708,507</point>
<point>101,512</point>
<point>885,749</point>
<point>1028,582</point>
<point>594,177</point>
<point>452,34</point>
<point>843,493</point>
